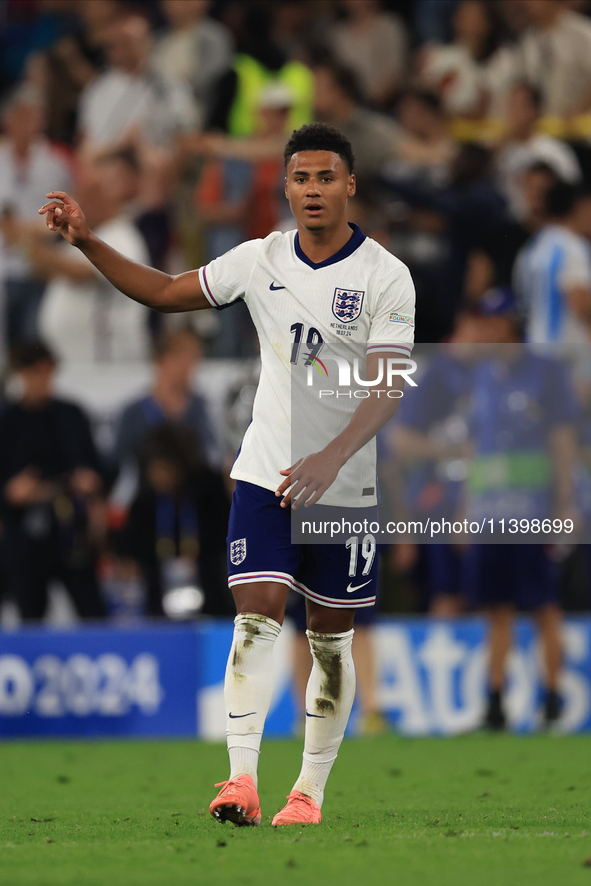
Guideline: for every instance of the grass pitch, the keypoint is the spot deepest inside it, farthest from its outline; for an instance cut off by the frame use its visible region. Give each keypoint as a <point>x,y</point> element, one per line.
<point>492,810</point>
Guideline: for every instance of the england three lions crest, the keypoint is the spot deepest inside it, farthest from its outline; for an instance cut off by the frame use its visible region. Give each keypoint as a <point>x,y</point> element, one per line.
<point>237,551</point>
<point>346,304</point>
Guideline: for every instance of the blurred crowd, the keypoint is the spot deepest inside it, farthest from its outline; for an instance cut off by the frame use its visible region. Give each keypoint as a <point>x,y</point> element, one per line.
<point>166,120</point>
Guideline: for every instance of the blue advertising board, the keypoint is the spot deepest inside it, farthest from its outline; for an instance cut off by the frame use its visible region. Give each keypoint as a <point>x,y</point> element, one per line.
<point>168,680</point>
<point>98,682</point>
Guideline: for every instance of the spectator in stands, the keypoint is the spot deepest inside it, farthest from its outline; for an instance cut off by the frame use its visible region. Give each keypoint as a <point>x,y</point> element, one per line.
<point>472,73</point>
<point>29,34</point>
<point>70,63</point>
<point>194,49</point>
<point>425,148</point>
<point>523,146</point>
<point>242,181</point>
<point>176,531</point>
<point>500,252</point>
<point>374,136</point>
<point>28,163</point>
<point>432,20</point>
<point>170,401</point>
<point>374,45</point>
<point>555,56</point>
<point>84,317</point>
<point>536,182</point>
<point>258,63</point>
<point>553,271</point>
<point>131,102</point>
<point>471,215</point>
<point>50,489</point>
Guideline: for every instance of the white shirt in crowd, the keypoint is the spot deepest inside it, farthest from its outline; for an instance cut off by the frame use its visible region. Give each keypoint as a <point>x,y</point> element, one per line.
<point>93,321</point>
<point>463,81</point>
<point>515,158</point>
<point>558,62</point>
<point>23,187</point>
<point>197,56</point>
<point>554,261</point>
<point>359,300</point>
<point>116,102</point>
<point>376,54</point>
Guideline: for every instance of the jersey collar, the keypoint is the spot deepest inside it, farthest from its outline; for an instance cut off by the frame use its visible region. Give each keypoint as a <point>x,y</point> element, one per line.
<point>353,243</point>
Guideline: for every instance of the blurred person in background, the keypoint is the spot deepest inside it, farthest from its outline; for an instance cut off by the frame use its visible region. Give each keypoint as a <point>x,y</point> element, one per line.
<point>337,101</point>
<point>50,491</point>
<point>431,20</point>
<point>83,317</point>
<point>473,72</point>
<point>523,146</point>
<point>240,195</point>
<point>171,401</point>
<point>522,432</point>
<point>555,56</point>
<point>177,524</point>
<point>240,190</point>
<point>131,102</point>
<point>193,49</point>
<point>374,44</point>
<point>492,263</point>
<point>258,63</point>
<point>425,148</point>
<point>27,162</point>
<point>553,271</point>
<point>70,63</point>
<point>23,35</point>
<point>430,438</point>
<point>300,25</point>
<point>470,214</point>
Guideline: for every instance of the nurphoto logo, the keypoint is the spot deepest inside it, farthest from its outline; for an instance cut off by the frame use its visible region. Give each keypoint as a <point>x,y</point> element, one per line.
<point>389,370</point>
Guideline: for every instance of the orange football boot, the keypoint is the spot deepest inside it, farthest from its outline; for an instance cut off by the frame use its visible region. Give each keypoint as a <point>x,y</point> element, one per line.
<point>299,809</point>
<point>237,802</point>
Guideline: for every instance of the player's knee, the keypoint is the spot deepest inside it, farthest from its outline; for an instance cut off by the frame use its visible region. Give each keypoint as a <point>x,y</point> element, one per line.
<point>261,598</point>
<point>324,620</point>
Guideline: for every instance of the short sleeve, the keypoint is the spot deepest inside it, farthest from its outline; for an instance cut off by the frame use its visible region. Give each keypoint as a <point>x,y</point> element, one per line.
<point>393,316</point>
<point>225,279</point>
<point>576,266</point>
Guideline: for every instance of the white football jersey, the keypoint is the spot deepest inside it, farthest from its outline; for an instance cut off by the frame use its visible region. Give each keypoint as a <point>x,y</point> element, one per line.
<point>360,299</point>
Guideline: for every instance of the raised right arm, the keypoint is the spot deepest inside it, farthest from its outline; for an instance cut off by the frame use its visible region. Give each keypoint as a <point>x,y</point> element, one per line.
<point>143,284</point>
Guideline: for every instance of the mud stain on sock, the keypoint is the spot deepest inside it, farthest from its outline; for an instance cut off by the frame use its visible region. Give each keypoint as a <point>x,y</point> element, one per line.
<point>330,663</point>
<point>324,706</point>
<point>250,629</point>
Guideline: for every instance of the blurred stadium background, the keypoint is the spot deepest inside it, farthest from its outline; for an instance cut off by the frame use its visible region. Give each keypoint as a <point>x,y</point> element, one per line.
<point>166,119</point>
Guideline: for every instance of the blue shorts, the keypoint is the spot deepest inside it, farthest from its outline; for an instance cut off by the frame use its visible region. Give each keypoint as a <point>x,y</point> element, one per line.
<point>443,568</point>
<point>260,549</point>
<point>520,574</point>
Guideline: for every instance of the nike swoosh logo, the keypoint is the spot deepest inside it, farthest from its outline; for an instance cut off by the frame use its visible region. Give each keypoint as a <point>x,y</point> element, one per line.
<point>237,716</point>
<point>274,288</point>
<point>318,716</point>
<point>350,589</point>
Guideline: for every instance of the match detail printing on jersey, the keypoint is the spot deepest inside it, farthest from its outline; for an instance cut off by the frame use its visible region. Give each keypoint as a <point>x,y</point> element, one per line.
<point>351,303</point>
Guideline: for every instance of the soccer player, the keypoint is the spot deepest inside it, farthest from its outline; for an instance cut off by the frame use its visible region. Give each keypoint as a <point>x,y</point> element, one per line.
<point>324,284</point>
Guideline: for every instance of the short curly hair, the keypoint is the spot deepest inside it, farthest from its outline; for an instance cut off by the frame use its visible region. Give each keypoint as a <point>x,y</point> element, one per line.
<point>320,137</point>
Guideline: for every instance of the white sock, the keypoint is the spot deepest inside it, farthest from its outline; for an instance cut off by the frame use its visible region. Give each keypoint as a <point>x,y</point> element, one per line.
<point>248,689</point>
<point>329,699</point>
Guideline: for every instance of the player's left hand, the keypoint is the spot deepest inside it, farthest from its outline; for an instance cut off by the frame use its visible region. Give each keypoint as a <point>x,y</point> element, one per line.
<point>309,479</point>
